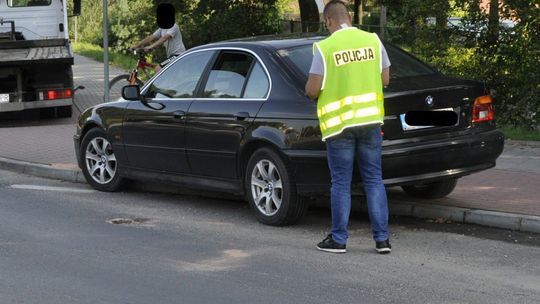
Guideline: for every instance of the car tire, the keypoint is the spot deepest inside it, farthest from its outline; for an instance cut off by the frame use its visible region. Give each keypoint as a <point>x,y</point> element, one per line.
<point>99,164</point>
<point>437,189</point>
<point>271,190</point>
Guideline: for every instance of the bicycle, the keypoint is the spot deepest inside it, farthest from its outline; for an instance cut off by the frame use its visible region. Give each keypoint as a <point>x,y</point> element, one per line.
<point>131,78</point>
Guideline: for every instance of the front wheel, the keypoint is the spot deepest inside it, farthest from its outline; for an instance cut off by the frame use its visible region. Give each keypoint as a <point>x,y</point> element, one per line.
<point>99,164</point>
<point>437,189</point>
<point>116,85</point>
<point>271,191</point>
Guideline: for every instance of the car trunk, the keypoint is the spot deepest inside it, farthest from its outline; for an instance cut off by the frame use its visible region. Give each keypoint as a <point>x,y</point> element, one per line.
<point>428,96</point>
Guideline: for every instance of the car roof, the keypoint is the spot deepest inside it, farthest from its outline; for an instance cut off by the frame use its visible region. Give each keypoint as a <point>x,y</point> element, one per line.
<point>275,42</point>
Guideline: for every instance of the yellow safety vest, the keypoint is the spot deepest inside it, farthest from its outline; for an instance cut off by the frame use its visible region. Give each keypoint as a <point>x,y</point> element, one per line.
<point>351,93</point>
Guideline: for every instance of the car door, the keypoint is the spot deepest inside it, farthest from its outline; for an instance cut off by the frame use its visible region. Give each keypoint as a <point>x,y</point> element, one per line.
<point>154,131</point>
<point>231,95</point>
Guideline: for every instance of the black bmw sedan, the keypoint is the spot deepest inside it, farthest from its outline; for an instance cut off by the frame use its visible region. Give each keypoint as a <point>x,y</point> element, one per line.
<point>233,117</point>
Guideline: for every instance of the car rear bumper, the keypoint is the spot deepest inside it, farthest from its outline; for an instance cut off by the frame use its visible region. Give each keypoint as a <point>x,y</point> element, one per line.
<point>408,163</point>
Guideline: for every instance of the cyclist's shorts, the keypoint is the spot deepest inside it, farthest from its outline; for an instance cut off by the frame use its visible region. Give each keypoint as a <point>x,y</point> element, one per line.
<point>168,60</point>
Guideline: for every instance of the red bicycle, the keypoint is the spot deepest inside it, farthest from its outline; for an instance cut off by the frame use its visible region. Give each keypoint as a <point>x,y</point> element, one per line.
<point>118,82</point>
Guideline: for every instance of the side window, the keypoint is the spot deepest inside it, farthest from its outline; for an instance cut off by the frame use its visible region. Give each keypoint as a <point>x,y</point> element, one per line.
<point>22,3</point>
<point>228,76</point>
<point>258,83</point>
<point>180,80</point>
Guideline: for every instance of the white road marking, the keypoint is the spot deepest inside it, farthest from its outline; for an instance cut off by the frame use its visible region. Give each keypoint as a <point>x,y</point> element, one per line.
<point>50,188</point>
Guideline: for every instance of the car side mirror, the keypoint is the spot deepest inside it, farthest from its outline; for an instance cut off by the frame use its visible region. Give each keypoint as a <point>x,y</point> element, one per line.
<point>131,92</point>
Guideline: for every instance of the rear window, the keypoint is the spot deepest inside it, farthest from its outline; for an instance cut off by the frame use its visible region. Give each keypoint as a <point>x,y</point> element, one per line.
<point>24,3</point>
<point>403,65</point>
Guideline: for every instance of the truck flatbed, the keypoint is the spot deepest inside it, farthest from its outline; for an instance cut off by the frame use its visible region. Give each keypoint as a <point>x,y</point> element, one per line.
<point>16,53</point>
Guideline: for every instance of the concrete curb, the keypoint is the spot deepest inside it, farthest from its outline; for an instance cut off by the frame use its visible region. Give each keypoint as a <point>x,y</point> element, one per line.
<point>504,220</point>
<point>512,221</point>
<point>41,170</point>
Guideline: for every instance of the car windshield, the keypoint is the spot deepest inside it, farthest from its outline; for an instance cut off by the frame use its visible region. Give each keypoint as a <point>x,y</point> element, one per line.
<point>403,65</point>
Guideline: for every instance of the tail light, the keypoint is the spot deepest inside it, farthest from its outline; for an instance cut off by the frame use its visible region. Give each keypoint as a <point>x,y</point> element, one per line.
<point>55,94</point>
<point>483,109</point>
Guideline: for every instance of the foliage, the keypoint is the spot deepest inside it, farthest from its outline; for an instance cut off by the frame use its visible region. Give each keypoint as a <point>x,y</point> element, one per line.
<point>506,63</point>
<point>200,21</point>
<point>519,133</point>
<point>96,52</point>
<point>128,19</point>
<point>215,20</point>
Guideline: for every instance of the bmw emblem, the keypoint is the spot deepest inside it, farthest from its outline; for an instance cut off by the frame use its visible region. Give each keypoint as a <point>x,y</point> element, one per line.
<point>429,100</point>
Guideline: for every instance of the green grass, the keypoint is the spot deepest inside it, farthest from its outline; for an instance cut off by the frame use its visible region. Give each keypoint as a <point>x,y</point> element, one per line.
<point>126,62</point>
<point>520,133</point>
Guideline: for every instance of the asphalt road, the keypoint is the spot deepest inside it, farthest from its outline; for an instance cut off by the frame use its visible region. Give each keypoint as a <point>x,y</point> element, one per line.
<point>58,244</point>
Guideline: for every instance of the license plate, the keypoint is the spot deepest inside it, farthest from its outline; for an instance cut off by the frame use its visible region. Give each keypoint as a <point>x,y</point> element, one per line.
<point>407,127</point>
<point>4,98</point>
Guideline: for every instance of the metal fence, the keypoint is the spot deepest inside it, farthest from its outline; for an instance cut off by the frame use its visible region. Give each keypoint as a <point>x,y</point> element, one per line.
<point>295,26</point>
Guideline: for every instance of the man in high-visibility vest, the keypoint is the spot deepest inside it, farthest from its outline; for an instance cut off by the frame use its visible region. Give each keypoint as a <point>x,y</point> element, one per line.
<point>347,75</point>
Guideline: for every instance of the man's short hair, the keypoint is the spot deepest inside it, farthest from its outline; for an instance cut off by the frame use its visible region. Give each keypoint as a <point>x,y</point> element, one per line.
<point>336,9</point>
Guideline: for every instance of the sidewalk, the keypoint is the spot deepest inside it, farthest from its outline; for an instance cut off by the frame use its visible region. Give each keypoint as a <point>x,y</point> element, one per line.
<point>505,197</point>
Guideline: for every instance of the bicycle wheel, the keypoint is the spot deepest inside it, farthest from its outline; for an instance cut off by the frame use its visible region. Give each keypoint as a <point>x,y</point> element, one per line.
<point>116,85</point>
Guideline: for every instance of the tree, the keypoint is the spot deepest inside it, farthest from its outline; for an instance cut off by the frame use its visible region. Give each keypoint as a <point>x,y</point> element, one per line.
<point>309,14</point>
<point>493,23</point>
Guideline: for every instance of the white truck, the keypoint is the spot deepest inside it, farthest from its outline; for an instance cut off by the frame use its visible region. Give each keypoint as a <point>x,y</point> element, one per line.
<point>36,56</point>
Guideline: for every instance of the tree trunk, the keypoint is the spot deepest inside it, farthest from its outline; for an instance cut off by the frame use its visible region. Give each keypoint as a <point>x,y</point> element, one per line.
<point>382,19</point>
<point>357,12</point>
<point>493,23</point>
<point>309,13</point>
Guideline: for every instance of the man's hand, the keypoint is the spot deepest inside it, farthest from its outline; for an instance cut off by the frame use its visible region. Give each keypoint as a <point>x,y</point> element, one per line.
<point>313,86</point>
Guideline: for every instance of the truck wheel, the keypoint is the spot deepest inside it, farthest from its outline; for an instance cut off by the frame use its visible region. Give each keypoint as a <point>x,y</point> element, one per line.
<point>436,189</point>
<point>99,163</point>
<point>64,112</point>
<point>271,191</point>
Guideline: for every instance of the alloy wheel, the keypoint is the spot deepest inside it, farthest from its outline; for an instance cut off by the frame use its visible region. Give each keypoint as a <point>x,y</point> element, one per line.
<point>266,187</point>
<point>100,160</point>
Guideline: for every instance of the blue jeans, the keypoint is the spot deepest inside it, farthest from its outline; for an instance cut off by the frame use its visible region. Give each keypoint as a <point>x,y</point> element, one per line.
<point>364,143</point>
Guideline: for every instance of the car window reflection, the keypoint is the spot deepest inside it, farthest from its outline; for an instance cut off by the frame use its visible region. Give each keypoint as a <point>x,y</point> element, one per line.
<point>180,80</point>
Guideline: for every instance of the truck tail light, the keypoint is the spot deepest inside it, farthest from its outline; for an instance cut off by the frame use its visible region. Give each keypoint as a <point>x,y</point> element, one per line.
<point>55,94</point>
<point>483,109</point>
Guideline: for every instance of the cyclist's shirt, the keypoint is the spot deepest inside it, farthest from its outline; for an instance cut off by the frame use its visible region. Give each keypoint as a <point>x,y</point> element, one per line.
<point>173,46</point>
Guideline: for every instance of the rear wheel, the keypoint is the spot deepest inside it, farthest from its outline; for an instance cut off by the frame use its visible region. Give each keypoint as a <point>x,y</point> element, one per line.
<point>435,189</point>
<point>116,85</point>
<point>99,163</point>
<point>271,191</point>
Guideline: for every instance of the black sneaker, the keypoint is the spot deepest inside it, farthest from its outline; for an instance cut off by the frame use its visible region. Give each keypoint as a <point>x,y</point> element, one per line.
<point>383,247</point>
<point>329,245</point>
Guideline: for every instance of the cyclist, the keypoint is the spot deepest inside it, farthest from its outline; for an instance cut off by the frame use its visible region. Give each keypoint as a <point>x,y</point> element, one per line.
<point>167,34</point>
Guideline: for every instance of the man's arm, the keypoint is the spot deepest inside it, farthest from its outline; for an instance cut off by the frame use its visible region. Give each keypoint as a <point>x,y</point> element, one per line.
<point>313,86</point>
<point>148,39</point>
<point>385,76</point>
<point>159,42</point>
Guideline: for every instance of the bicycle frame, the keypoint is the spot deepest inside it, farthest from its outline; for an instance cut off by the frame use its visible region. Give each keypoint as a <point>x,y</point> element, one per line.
<point>141,64</point>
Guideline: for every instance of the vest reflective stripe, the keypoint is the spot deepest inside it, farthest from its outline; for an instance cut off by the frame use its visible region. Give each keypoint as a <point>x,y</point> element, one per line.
<point>336,105</point>
<point>352,88</point>
<point>361,113</point>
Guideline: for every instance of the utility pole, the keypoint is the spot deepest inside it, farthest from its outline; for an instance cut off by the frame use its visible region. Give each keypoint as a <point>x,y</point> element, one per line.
<point>382,19</point>
<point>105,53</point>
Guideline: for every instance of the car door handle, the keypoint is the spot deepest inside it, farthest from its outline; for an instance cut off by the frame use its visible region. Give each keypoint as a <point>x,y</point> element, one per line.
<point>179,114</point>
<point>241,115</point>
